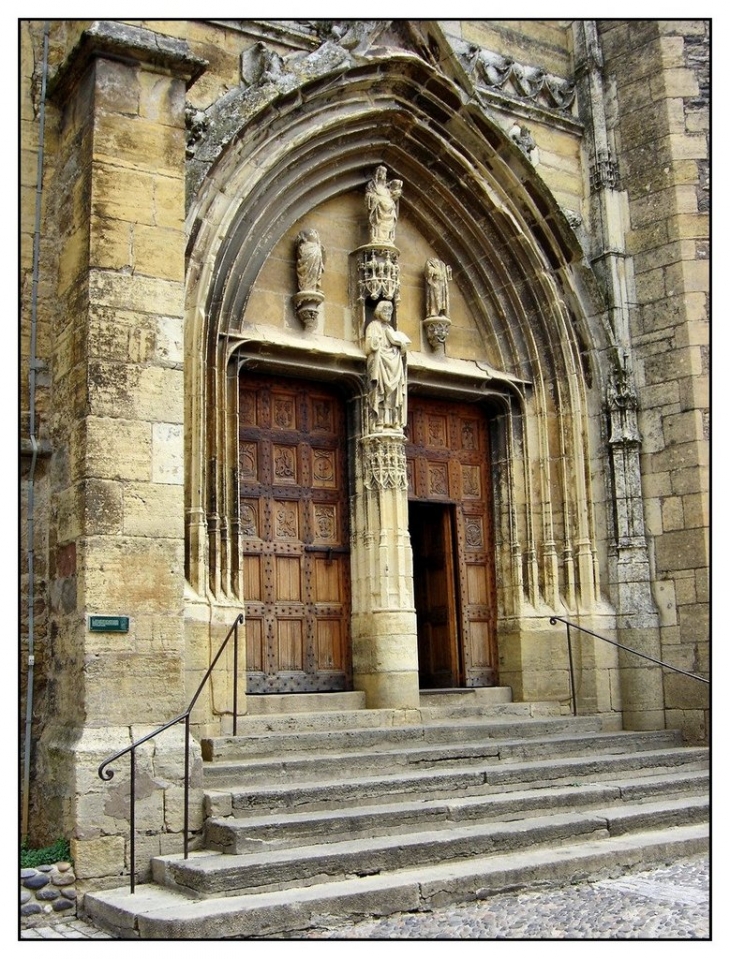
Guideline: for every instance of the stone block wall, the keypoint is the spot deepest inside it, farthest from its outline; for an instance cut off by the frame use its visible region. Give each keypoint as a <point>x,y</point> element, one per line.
<point>659,74</point>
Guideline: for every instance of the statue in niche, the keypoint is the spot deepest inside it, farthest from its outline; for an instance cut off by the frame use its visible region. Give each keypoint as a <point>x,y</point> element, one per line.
<point>438,275</point>
<point>310,261</point>
<point>382,200</point>
<point>385,348</point>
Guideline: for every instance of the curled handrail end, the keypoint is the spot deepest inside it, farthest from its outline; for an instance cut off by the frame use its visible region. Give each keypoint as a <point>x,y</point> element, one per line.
<point>105,774</point>
<point>553,620</point>
<point>240,618</point>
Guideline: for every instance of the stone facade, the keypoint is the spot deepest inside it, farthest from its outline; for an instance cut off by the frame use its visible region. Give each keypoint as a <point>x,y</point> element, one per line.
<point>205,216</point>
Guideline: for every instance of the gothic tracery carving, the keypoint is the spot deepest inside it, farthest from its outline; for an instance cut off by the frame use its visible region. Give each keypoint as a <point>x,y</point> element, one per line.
<point>384,463</point>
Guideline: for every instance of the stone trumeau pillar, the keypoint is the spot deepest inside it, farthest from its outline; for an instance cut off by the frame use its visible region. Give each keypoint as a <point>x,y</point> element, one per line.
<point>384,640</point>
<point>117,470</point>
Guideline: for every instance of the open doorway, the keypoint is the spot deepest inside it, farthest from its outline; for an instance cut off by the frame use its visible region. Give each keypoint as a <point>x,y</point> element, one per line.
<point>449,491</point>
<point>432,528</point>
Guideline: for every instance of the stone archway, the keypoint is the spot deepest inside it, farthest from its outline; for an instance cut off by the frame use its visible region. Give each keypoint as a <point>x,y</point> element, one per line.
<point>474,197</point>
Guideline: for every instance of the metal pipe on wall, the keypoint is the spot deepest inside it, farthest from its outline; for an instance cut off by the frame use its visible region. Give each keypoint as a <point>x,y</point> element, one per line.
<point>33,369</point>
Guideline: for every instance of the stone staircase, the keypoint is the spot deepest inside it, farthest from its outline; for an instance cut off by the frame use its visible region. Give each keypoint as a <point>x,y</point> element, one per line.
<point>344,813</point>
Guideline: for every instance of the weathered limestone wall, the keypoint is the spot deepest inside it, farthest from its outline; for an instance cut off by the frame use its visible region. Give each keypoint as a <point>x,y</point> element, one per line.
<point>659,71</point>
<point>115,209</point>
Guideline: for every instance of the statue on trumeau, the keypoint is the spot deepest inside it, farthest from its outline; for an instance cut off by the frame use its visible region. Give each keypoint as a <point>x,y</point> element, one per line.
<point>382,198</point>
<point>385,348</point>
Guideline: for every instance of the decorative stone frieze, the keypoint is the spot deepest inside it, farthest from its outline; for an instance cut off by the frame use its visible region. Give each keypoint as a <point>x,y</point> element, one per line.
<point>493,72</point>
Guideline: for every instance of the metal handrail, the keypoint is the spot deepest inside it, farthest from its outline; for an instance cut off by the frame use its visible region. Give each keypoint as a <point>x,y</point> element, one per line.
<point>108,774</point>
<point>568,624</point>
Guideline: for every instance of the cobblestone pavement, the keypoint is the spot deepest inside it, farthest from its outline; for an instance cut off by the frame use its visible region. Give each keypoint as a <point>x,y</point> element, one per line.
<point>668,903</point>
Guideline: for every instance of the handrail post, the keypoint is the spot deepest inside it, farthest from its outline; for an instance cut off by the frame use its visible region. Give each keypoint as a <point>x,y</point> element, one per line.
<point>235,678</point>
<point>132,798</point>
<point>570,669</point>
<point>107,774</point>
<point>186,787</point>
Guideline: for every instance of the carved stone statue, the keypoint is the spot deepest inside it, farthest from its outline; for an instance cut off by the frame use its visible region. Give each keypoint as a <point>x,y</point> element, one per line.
<point>382,200</point>
<point>438,275</point>
<point>310,261</point>
<point>385,348</point>
<point>310,266</point>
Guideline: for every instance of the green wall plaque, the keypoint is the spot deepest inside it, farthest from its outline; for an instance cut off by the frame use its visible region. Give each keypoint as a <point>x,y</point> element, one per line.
<point>109,624</point>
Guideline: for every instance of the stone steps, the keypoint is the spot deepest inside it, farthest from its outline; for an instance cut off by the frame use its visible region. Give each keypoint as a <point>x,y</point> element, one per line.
<point>469,765</point>
<point>352,814</point>
<point>206,874</point>
<point>157,912</point>
<point>256,742</point>
<point>251,833</point>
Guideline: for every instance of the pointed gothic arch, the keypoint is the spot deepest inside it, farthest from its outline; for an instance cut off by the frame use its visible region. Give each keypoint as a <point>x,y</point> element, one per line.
<point>483,208</point>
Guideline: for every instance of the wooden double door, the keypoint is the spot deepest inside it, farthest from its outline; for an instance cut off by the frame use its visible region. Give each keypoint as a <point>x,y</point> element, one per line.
<point>294,523</point>
<point>450,519</point>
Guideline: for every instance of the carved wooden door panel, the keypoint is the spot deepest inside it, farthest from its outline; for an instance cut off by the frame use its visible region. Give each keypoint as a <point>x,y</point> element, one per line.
<point>294,521</point>
<point>448,462</point>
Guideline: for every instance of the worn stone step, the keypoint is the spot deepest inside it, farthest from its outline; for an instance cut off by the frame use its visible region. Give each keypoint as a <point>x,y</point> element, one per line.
<point>249,834</point>
<point>278,703</point>
<point>482,778</point>
<point>257,742</point>
<point>356,719</point>
<point>393,757</point>
<point>486,697</point>
<point>155,912</point>
<point>482,695</point>
<point>212,874</point>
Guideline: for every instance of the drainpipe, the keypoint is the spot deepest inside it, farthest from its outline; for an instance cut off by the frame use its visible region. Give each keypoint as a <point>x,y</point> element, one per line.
<point>34,366</point>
